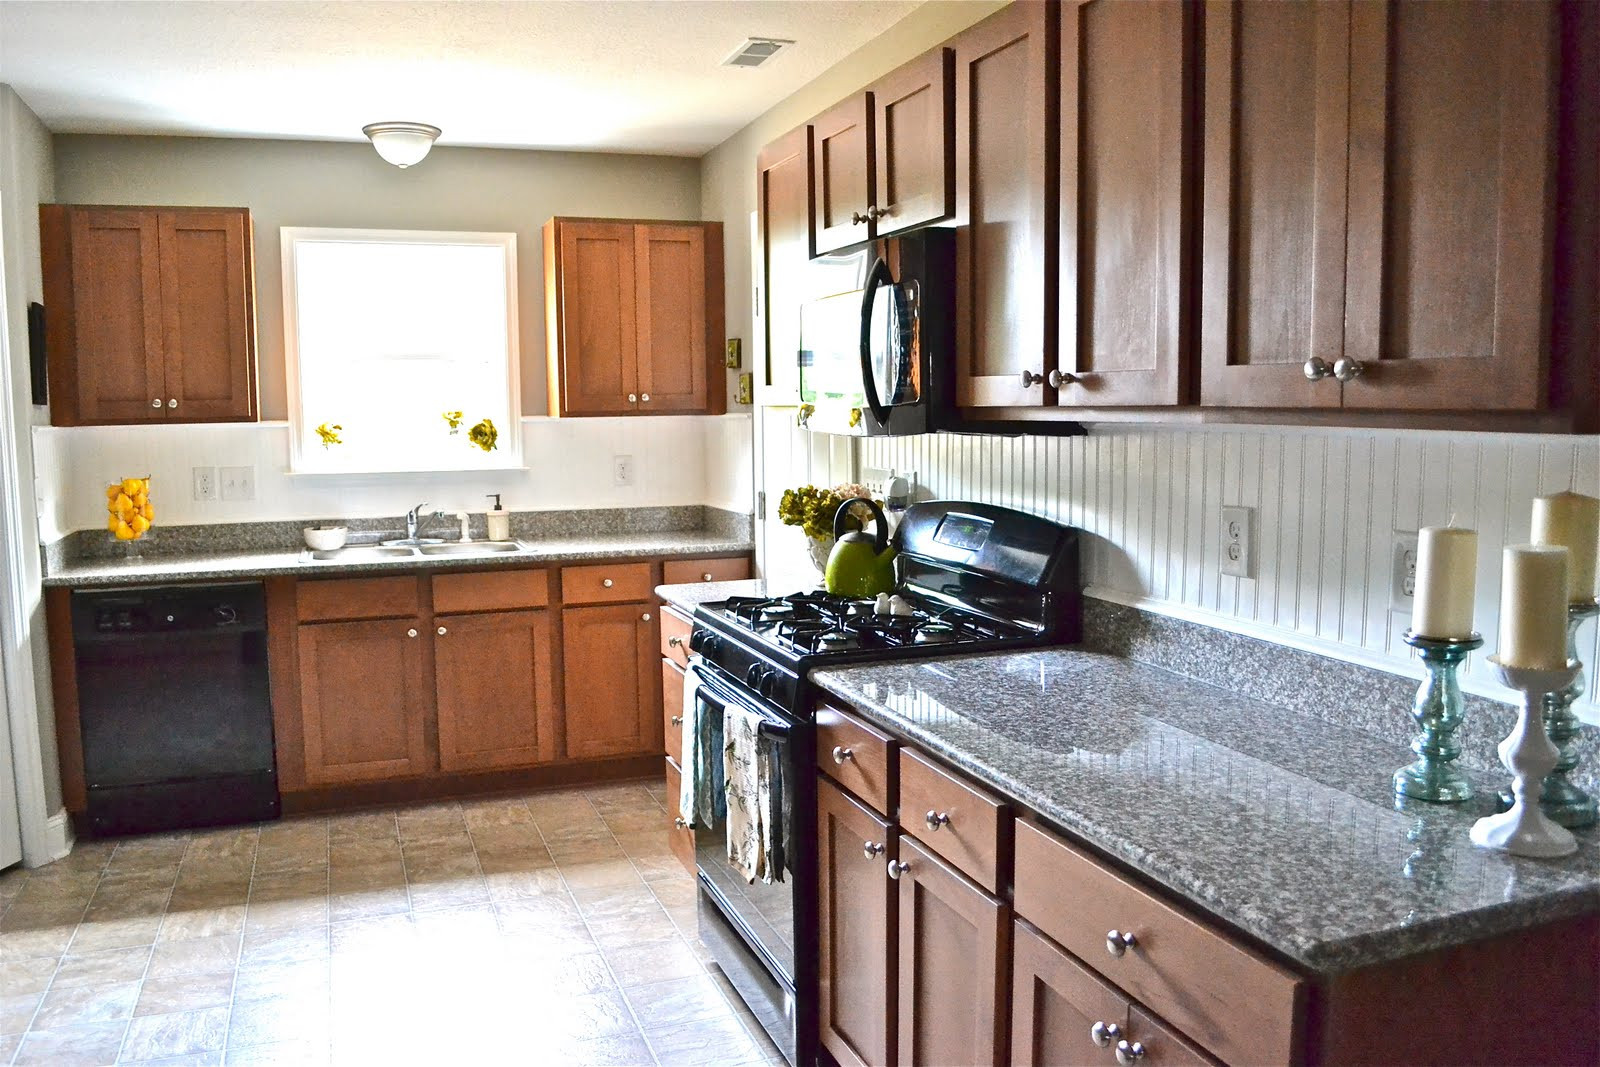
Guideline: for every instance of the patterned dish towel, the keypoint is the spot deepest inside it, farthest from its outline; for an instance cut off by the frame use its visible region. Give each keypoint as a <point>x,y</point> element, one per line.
<point>700,789</point>
<point>747,768</point>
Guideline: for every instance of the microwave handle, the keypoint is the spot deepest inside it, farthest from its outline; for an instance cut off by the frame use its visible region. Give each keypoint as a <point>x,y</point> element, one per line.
<point>877,277</point>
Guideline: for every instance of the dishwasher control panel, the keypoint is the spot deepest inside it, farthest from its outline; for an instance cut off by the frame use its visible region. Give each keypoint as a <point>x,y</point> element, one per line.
<point>168,609</point>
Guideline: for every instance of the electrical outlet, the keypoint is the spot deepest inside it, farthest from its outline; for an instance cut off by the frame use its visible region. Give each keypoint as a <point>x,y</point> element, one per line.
<point>1239,542</point>
<point>238,483</point>
<point>621,470</point>
<point>1403,589</point>
<point>205,482</point>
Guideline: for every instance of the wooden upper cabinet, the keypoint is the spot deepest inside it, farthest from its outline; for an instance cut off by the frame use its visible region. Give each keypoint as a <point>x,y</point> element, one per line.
<point>151,314</point>
<point>496,692</point>
<point>1005,267</point>
<point>633,317</point>
<point>1451,181</point>
<point>841,166</point>
<point>855,930</point>
<point>1123,135</point>
<point>609,669</point>
<point>1272,258</point>
<point>914,144</point>
<point>362,703</point>
<point>784,206</point>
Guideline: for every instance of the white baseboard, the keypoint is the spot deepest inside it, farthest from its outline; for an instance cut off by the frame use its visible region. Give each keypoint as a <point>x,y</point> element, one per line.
<point>58,839</point>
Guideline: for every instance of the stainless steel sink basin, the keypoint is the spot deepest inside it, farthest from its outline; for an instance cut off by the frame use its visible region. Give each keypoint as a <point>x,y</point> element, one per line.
<point>470,548</point>
<point>412,542</point>
<point>354,553</point>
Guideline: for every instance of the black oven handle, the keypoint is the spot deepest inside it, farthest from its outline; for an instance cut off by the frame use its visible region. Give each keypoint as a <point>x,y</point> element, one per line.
<point>724,692</point>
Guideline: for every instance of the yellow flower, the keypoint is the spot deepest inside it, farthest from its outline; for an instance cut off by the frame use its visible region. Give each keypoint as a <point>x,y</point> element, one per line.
<point>484,435</point>
<point>330,434</point>
<point>453,418</point>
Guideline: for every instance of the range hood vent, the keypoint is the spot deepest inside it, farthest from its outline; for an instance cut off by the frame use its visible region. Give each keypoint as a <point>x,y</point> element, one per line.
<point>755,51</point>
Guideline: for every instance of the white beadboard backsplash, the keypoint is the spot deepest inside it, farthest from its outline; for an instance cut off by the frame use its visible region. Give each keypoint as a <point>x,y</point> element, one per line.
<point>1327,505</point>
<point>677,460</point>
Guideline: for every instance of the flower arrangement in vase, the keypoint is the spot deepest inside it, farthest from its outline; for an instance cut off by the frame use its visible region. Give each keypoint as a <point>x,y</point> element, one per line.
<point>812,508</point>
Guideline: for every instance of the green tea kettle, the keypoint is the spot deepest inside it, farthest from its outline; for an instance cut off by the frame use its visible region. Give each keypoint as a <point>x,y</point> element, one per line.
<point>861,564</point>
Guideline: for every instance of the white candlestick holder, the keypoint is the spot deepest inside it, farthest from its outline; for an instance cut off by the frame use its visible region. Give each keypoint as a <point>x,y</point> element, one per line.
<point>1529,754</point>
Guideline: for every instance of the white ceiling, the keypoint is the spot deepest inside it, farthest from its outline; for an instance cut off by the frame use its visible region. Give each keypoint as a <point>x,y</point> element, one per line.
<point>608,75</point>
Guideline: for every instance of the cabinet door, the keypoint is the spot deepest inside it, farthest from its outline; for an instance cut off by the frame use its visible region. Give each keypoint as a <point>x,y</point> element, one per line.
<point>783,191</point>
<point>670,317</point>
<point>1272,255</point>
<point>953,939</point>
<point>1004,268</point>
<point>841,166</point>
<point>207,295</point>
<point>116,294</point>
<point>1123,143</point>
<point>1056,1003</point>
<point>1451,172</point>
<point>1161,1045</point>
<point>611,681</point>
<point>855,930</point>
<point>914,143</point>
<point>594,282</point>
<point>362,701</point>
<point>496,697</point>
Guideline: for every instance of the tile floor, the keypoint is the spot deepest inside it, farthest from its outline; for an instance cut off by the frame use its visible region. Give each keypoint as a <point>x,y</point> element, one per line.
<point>550,928</point>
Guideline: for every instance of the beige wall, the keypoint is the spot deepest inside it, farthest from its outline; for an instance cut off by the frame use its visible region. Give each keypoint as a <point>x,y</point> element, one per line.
<point>727,172</point>
<point>307,183</point>
<point>26,180</point>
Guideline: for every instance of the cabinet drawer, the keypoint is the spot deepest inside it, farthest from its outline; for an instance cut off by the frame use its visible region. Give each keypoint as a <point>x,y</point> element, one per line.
<point>961,823</point>
<point>672,708</point>
<point>856,756</point>
<point>1236,1003</point>
<point>605,583</point>
<point>490,591</point>
<point>679,838</point>
<point>689,571</point>
<point>327,599</point>
<point>675,637</point>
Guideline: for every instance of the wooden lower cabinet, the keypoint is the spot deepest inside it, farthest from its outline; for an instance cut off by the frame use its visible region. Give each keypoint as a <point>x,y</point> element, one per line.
<point>496,694</point>
<point>855,930</point>
<point>954,939</point>
<point>609,667</point>
<point>362,700</point>
<point>679,838</point>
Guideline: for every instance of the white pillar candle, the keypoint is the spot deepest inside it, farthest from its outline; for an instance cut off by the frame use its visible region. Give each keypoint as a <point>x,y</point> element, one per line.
<point>1447,579</point>
<point>1571,520</point>
<point>1533,607</point>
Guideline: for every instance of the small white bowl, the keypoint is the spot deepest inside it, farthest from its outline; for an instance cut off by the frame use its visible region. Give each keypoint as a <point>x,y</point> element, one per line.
<point>325,538</point>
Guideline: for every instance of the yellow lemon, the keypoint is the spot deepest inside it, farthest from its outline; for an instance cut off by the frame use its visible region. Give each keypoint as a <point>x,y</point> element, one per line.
<point>139,523</point>
<point>112,490</point>
<point>124,507</point>
<point>124,532</point>
<point>131,485</point>
<point>148,512</point>
<point>140,499</point>
<point>112,523</point>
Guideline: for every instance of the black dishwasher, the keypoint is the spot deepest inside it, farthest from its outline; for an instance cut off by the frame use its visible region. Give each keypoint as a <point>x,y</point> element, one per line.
<point>174,707</point>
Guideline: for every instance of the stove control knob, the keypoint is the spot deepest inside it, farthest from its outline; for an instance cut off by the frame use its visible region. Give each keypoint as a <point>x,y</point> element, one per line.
<point>753,675</point>
<point>768,682</point>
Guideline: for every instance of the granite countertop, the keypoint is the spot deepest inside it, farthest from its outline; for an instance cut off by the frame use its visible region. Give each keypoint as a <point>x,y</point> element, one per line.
<point>265,562</point>
<point>688,597</point>
<point>1281,825</point>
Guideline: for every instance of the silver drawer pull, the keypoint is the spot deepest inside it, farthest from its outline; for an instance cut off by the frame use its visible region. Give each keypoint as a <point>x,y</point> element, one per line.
<point>936,819</point>
<point>1129,1052</point>
<point>1316,368</point>
<point>411,633</point>
<point>897,868</point>
<point>174,401</point>
<point>871,849</point>
<point>840,754</point>
<point>675,641</point>
<point>680,823</point>
<point>645,617</point>
<point>607,582</point>
<point>677,720</point>
<point>156,402</point>
<point>442,631</point>
<point>1119,942</point>
<point>706,577</point>
<point>1103,1034</point>
<point>1346,369</point>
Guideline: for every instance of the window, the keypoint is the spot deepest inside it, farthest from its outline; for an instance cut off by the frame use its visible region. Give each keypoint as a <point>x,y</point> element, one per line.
<point>392,335</point>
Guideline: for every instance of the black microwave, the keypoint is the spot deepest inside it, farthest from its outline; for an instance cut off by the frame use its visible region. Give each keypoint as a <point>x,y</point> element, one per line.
<point>877,358</point>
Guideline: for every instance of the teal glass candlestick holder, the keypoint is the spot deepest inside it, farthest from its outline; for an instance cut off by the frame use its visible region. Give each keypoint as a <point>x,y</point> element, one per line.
<point>1562,801</point>
<point>1438,710</point>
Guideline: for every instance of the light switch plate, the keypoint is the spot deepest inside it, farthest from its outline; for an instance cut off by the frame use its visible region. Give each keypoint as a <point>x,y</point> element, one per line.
<point>1239,542</point>
<point>238,483</point>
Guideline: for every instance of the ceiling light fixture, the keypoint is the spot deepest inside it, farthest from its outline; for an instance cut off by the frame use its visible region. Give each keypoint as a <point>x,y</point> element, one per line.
<point>402,143</point>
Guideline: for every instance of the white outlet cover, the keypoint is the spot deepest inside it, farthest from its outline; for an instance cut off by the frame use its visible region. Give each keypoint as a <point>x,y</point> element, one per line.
<point>621,470</point>
<point>204,481</point>
<point>1403,581</point>
<point>1238,542</point>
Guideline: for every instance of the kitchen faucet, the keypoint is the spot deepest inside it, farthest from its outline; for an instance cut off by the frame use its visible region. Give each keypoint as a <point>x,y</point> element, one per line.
<point>414,519</point>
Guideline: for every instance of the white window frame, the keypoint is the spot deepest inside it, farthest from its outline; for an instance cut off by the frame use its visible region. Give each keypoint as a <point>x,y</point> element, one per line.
<point>506,456</point>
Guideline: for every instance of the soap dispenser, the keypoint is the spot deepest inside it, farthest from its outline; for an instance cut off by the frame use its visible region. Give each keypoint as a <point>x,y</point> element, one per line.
<point>498,520</point>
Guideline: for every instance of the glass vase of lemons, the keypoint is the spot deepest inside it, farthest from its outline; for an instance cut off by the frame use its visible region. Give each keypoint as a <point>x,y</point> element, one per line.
<point>129,509</point>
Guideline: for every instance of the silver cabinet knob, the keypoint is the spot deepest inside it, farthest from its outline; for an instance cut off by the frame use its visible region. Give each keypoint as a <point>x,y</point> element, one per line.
<point>411,632</point>
<point>936,819</point>
<point>1057,379</point>
<point>680,823</point>
<point>857,218</point>
<point>675,641</point>
<point>1030,379</point>
<point>840,754</point>
<point>633,398</point>
<point>897,868</point>
<point>644,398</point>
<point>1316,368</point>
<point>677,720</point>
<point>1103,1034</point>
<point>1119,942</point>
<point>156,402</point>
<point>442,631</point>
<point>875,212</point>
<point>871,849</point>
<point>706,577</point>
<point>607,583</point>
<point>1346,369</point>
<point>645,617</point>
<point>172,403</point>
<point>1129,1052</point>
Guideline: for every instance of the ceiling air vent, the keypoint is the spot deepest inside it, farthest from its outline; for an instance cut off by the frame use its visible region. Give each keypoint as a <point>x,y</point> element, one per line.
<point>755,51</point>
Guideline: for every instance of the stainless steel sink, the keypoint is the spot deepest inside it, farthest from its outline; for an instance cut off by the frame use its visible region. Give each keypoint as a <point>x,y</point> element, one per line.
<point>355,553</point>
<point>412,542</point>
<point>470,548</point>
